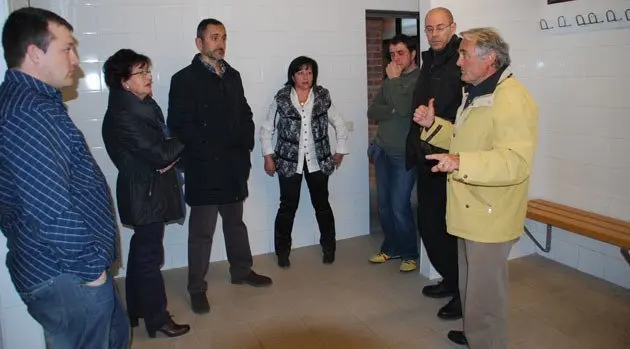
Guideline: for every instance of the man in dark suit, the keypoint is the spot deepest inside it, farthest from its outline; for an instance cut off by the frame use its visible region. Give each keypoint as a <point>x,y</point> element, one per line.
<point>209,113</point>
<point>440,80</point>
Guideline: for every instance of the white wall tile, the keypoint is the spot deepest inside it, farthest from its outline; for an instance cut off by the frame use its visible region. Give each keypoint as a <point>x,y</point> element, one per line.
<point>591,262</point>
<point>9,298</point>
<point>617,271</point>
<point>565,253</point>
<point>19,330</point>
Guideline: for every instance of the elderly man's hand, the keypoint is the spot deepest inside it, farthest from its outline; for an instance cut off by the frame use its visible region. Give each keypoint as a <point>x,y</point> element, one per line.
<point>425,115</point>
<point>446,162</point>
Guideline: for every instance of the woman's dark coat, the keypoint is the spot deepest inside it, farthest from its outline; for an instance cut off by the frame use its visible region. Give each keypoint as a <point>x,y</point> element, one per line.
<point>135,139</point>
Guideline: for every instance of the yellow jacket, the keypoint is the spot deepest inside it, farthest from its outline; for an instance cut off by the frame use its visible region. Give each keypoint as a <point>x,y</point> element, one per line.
<point>495,137</point>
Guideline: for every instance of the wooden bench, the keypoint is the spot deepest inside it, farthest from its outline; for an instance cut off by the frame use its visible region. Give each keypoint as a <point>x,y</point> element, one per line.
<point>595,226</point>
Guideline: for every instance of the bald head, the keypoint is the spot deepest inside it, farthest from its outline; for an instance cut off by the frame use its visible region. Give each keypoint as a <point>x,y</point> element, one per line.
<point>439,27</point>
<point>441,11</point>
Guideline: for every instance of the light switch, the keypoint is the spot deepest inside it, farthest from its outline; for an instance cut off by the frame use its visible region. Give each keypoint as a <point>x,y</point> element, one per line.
<point>350,126</point>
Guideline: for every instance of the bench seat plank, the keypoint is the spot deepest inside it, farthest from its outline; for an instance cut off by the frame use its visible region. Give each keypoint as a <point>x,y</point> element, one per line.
<point>544,204</point>
<point>593,225</point>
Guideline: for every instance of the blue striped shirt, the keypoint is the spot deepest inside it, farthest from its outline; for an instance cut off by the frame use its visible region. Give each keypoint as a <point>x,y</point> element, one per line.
<point>55,205</point>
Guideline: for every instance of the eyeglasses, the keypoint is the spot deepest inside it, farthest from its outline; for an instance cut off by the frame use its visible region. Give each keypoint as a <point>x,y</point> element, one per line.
<point>144,73</point>
<point>440,28</point>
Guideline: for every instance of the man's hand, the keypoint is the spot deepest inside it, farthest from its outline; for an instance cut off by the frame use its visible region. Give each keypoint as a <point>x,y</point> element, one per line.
<point>165,169</point>
<point>270,165</point>
<point>446,162</point>
<point>393,70</point>
<point>425,115</point>
<point>101,280</point>
<point>337,159</point>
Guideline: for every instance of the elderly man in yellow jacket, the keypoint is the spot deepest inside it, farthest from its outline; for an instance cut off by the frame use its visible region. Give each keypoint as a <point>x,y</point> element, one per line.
<point>487,154</point>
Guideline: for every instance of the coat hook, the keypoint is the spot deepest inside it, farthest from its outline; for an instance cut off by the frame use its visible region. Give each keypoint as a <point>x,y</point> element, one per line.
<point>562,22</point>
<point>580,20</point>
<point>544,25</point>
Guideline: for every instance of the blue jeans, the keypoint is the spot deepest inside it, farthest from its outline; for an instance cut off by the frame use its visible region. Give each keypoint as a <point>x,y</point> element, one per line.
<point>393,189</point>
<point>77,316</point>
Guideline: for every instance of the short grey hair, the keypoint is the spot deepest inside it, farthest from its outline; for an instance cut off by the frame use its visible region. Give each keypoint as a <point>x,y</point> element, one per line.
<point>489,40</point>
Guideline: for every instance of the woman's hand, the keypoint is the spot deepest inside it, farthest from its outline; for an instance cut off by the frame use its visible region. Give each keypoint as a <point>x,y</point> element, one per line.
<point>337,159</point>
<point>270,165</point>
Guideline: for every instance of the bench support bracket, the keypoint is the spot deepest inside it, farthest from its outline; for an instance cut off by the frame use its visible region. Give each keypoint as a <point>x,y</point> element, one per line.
<point>625,252</point>
<point>547,247</point>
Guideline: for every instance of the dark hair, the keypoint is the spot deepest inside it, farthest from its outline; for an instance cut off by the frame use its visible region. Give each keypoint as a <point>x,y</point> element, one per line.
<point>28,26</point>
<point>119,66</point>
<point>411,44</point>
<point>201,28</point>
<point>296,65</point>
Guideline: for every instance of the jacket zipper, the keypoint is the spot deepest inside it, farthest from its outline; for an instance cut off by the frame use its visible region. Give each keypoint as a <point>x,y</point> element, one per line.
<point>482,200</point>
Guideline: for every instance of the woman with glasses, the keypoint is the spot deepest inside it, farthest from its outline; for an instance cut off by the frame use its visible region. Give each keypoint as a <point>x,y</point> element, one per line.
<point>147,190</point>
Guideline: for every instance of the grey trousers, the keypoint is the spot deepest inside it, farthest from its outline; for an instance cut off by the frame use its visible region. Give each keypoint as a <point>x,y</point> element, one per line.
<point>201,228</point>
<point>483,286</point>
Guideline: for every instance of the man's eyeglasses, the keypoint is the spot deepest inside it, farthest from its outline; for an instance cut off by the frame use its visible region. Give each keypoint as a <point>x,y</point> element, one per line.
<point>440,28</point>
<point>144,73</point>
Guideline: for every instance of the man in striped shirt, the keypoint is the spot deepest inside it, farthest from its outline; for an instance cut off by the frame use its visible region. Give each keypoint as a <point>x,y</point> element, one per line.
<point>55,205</point>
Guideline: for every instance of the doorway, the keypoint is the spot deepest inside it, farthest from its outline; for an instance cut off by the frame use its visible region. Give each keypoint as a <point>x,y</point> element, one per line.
<point>381,27</point>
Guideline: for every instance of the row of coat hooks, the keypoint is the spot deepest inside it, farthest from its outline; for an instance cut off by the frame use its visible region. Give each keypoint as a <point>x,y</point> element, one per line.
<point>580,20</point>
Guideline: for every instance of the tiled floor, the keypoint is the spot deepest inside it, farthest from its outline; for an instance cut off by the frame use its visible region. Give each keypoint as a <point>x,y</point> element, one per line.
<point>354,305</point>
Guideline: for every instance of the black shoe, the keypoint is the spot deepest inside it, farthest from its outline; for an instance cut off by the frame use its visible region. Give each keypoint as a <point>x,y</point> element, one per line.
<point>170,329</point>
<point>283,261</point>
<point>329,258</point>
<point>199,303</point>
<point>253,279</point>
<point>134,321</point>
<point>439,291</point>
<point>452,310</point>
<point>457,337</point>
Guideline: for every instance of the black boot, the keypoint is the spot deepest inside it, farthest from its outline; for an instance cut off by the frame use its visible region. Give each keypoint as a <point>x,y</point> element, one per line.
<point>283,261</point>
<point>329,257</point>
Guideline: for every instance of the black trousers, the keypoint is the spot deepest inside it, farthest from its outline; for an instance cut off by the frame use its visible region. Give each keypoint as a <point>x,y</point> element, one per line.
<point>145,292</point>
<point>289,199</point>
<point>441,247</point>
<point>201,228</point>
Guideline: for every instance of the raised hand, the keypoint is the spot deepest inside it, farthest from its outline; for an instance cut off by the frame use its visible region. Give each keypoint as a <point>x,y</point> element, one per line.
<point>425,115</point>
<point>393,70</point>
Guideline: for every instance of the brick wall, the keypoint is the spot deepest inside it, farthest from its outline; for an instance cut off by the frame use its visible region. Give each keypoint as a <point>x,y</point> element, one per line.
<point>374,37</point>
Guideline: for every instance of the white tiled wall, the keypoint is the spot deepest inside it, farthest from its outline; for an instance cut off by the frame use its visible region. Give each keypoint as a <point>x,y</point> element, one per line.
<point>579,80</point>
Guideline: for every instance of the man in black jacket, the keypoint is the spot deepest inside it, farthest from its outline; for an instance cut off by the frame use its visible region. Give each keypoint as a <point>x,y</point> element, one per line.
<point>440,80</point>
<point>210,115</point>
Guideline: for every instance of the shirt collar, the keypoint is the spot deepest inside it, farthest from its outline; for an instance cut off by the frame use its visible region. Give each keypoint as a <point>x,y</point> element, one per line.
<point>30,82</point>
<point>211,68</point>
